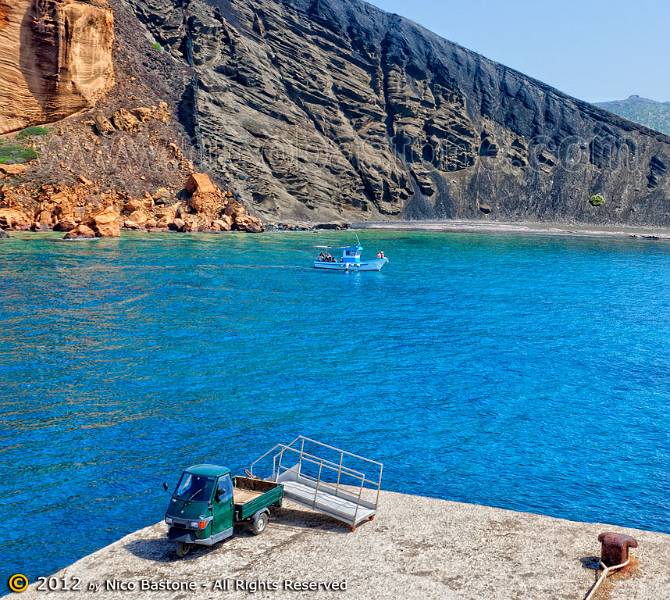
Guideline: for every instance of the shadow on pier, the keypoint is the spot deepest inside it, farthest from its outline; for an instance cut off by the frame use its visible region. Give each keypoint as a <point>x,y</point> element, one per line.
<point>160,550</point>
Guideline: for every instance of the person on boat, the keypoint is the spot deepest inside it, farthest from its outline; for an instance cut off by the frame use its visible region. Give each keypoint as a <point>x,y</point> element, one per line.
<point>322,258</point>
<point>382,254</point>
<point>379,254</point>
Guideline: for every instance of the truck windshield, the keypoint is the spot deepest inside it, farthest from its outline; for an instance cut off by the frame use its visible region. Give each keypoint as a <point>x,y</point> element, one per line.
<point>196,488</point>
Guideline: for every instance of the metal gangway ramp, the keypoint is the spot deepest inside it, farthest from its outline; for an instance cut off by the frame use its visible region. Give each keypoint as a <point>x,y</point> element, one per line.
<point>323,478</point>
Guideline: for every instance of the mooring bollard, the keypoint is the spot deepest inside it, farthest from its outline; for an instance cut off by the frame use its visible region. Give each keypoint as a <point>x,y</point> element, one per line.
<point>615,548</point>
<point>614,555</point>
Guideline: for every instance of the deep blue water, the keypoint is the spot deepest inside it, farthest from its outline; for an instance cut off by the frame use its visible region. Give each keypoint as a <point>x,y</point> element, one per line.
<point>526,373</point>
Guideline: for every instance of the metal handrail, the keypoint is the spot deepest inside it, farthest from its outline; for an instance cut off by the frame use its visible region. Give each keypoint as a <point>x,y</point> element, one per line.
<point>260,458</point>
<point>280,451</point>
<point>322,464</point>
<point>317,460</point>
<point>331,465</point>
<point>339,450</point>
<point>304,439</point>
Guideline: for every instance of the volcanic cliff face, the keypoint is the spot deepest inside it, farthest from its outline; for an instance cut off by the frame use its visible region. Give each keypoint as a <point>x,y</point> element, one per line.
<point>312,110</point>
<point>329,109</point>
<point>55,59</point>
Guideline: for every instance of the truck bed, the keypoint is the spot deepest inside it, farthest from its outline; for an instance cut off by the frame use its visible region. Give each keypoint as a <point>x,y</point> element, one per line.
<point>244,496</point>
<point>252,495</point>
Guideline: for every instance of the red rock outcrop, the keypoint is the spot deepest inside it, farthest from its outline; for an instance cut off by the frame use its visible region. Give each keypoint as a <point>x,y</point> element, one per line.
<point>12,170</point>
<point>12,218</point>
<point>206,198</point>
<point>55,59</point>
<point>242,220</point>
<point>84,207</point>
<point>80,231</point>
<point>106,223</point>
<point>217,209</point>
<point>65,224</point>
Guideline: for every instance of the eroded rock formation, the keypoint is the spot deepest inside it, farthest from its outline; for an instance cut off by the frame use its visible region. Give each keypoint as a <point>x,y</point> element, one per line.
<point>309,111</point>
<point>55,59</point>
<point>323,110</point>
<point>87,210</point>
<point>14,218</point>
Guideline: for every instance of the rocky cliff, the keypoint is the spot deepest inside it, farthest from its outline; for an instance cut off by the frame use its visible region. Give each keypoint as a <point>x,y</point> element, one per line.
<point>55,59</point>
<point>310,110</point>
<point>114,155</point>
<point>333,109</point>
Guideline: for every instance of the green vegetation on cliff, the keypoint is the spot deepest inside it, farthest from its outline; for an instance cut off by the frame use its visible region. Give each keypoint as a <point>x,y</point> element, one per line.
<point>15,153</point>
<point>29,132</point>
<point>652,114</point>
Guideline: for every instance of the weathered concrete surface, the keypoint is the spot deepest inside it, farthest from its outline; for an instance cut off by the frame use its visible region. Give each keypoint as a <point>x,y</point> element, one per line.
<point>417,548</point>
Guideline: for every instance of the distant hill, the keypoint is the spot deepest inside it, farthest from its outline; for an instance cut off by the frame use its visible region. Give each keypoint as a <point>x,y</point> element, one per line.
<point>655,115</point>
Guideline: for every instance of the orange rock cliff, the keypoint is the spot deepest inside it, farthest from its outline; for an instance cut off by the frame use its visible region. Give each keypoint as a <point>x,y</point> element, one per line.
<point>55,59</point>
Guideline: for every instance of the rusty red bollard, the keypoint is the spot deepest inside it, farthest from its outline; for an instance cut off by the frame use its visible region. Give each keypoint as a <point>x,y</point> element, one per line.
<point>615,547</point>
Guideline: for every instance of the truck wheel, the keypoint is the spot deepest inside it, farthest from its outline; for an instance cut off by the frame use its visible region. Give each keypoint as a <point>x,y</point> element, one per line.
<point>183,549</point>
<point>259,523</point>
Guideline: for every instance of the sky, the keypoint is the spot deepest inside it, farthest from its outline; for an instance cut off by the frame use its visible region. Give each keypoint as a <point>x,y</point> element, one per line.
<point>596,50</point>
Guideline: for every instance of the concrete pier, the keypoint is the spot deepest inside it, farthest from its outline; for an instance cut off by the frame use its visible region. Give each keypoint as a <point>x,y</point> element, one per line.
<point>416,548</point>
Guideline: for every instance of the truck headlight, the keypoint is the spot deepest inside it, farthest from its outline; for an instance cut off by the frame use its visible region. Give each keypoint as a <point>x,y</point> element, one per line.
<point>194,524</point>
<point>169,521</point>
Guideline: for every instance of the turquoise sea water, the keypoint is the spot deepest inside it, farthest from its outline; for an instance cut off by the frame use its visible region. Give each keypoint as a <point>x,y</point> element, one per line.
<point>525,373</point>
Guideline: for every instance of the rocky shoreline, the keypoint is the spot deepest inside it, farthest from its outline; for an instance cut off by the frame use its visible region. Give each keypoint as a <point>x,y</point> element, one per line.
<point>523,228</point>
<point>416,548</point>
<point>86,211</point>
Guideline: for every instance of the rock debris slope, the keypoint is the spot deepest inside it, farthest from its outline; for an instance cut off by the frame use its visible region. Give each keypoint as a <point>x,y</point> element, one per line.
<point>329,109</point>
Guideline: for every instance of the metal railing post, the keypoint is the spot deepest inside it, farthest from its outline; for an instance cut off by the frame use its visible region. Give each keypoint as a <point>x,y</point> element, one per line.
<point>318,480</point>
<point>281,458</point>
<point>379,485</point>
<point>339,473</point>
<point>360,491</point>
<point>302,452</point>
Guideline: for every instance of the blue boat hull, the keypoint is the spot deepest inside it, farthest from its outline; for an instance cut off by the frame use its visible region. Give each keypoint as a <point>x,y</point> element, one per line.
<point>368,265</point>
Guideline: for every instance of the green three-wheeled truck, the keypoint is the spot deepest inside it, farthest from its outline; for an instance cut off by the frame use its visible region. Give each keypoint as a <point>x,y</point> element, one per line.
<point>208,503</point>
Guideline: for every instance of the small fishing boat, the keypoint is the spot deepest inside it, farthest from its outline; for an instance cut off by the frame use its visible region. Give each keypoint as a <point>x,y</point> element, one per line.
<point>349,261</point>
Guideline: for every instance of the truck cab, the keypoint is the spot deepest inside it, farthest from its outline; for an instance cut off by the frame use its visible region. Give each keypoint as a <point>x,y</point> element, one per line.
<point>203,508</point>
